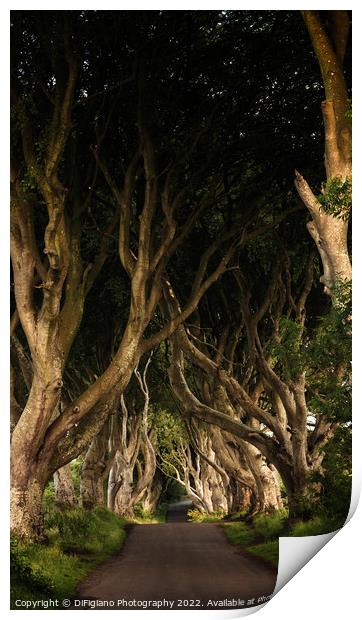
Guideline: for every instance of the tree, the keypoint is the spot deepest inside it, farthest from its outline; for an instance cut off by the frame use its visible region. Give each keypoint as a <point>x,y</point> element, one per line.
<point>266,399</point>
<point>49,324</point>
<point>148,161</point>
<point>134,463</point>
<point>330,211</point>
<point>65,496</point>
<point>45,438</point>
<point>98,462</point>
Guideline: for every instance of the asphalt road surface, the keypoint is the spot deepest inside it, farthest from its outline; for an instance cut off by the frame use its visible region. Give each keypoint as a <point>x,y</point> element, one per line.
<point>177,565</point>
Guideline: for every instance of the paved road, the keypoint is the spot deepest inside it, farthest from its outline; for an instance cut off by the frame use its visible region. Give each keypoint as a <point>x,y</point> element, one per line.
<point>177,513</point>
<point>177,561</point>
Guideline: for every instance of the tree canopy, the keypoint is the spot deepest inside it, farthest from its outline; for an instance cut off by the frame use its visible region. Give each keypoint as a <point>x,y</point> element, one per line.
<point>173,216</point>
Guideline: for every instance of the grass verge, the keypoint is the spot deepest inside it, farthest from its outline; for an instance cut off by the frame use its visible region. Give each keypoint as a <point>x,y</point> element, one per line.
<point>268,551</point>
<point>195,516</point>
<point>239,533</point>
<point>143,517</point>
<point>314,527</point>
<point>79,540</point>
<point>261,537</point>
<point>249,537</point>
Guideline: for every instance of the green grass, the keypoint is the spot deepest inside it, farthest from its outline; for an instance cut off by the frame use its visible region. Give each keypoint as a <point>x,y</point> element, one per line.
<point>239,515</point>
<point>142,516</point>
<point>270,526</point>
<point>79,540</point>
<point>60,570</point>
<point>268,551</point>
<point>195,516</point>
<point>239,533</point>
<point>261,537</point>
<point>313,527</point>
<point>247,536</point>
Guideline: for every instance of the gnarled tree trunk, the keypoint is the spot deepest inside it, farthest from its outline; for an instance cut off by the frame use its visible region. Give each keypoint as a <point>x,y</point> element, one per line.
<point>152,494</point>
<point>98,462</point>
<point>135,463</point>
<point>26,495</point>
<point>329,224</point>
<point>65,496</point>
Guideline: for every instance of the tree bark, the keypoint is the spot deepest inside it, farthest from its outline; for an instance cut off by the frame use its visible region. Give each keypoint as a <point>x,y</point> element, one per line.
<point>26,515</point>
<point>65,496</point>
<point>98,461</point>
<point>125,489</point>
<point>285,441</point>
<point>329,230</point>
<point>153,494</point>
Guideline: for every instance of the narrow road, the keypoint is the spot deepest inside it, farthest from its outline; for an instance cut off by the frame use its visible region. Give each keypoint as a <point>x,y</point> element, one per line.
<point>177,565</point>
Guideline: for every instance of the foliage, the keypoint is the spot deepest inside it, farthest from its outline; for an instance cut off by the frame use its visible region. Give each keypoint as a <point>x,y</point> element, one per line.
<point>336,197</point>
<point>75,467</point>
<point>246,536</point>
<point>329,377</point>
<point>49,497</point>
<point>142,516</point>
<point>270,526</point>
<point>196,516</point>
<point>241,167</point>
<point>25,576</point>
<point>79,540</point>
<point>49,492</point>
<point>313,527</point>
<point>236,516</point>
<point>57,568</point>
<point>96,531</point>
<point>239,533</point>
<point>286,348</point>
<point>174,492</point>
<point>171,437</point>
<point>336,480</point>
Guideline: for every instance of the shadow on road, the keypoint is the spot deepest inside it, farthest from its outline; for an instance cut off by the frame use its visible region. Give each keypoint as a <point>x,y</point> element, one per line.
<point>177,513</point>
<point>177,565</point>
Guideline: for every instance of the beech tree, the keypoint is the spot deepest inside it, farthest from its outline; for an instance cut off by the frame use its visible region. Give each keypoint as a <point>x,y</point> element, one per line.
<point>152,495</point>
<point>98,462</point>
<point>134,463</point>
<point>265,400</point>
<point>330,210</point>
<point>143,172</point>
<point>65,497</point>
<point>192,465</point>
<point>145,203</point>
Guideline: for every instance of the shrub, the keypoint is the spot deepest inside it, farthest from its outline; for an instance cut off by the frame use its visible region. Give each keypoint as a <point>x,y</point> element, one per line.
<point>242,534</point>
<point>336,480</point>
<point>270,526</point>
<point>49,497</point>
<point>196,516</point>
<point>313,527</point>
<point>141,515</point>
<point>239,533</point>
<point>79,540</point>
<point>24,576</point>
<point>239,515</point>
<point>161,512</point>
<point>60,569</point>
<point>93,531</point>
